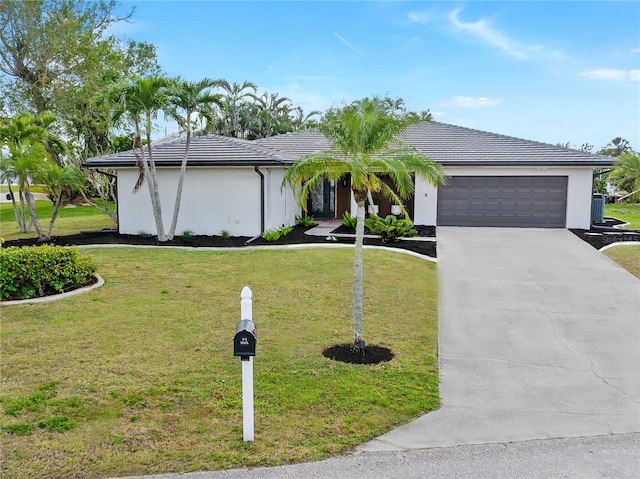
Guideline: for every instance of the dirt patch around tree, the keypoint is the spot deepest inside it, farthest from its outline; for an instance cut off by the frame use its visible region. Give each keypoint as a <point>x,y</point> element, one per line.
<point>348,353</point>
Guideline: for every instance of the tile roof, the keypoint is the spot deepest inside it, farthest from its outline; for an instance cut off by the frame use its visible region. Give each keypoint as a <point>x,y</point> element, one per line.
<point>207,150</point>
<point>449,145</point>
<point>455,145</point>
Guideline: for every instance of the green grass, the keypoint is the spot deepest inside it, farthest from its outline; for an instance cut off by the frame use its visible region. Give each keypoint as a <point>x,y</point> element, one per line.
<point>138,376</point>
<point>69,221</point>
<point>627,256</point>
<point>629,212</point>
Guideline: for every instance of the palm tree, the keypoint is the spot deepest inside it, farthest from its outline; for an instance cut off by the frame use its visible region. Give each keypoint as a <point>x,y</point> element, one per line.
<point>365,144</point>
<point>190,97</point>
<point>142,99</point>
<point>625,174</point>
<point>300,121</point>
<point>30,146</point>
<point>58,180</point>
<point>234,93</point>
<point>272,111</point>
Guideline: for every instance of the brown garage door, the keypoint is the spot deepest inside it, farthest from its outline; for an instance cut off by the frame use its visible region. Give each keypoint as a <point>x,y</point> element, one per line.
<point>516,201</point>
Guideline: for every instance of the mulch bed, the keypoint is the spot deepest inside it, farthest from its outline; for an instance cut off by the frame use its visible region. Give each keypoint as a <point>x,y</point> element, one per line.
<point>423,231</point>
<point>348,353</point>
<point>297,236</point>
<point>603,233</point>
<point>595,237</point>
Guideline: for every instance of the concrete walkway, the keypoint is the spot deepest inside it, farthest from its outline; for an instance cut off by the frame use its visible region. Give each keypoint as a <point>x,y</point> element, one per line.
<point>539,338</point>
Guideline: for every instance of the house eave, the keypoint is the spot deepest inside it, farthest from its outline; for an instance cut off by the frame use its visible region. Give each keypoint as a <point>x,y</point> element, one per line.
<point>115,164</point>
<point>538,164</point>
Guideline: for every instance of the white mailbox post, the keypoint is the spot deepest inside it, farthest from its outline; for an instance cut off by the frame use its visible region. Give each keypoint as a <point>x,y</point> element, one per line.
<point>245,347</point>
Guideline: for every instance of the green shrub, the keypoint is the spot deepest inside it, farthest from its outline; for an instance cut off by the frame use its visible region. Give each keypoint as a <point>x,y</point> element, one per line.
<point>305,220</point>
<point>277,233</point>
<point>390,228</point>
<point>272,235</point>
<point>187,234</point>
<point>285,230</point>
<point>349,221</point>
<point>35,271</point>
<point>225,234</point>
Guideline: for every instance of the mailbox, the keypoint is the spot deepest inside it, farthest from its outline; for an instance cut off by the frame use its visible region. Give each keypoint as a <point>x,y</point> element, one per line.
<point>244,342</point>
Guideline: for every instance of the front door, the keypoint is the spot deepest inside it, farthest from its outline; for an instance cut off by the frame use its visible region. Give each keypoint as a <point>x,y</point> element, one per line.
<point>322,200</point>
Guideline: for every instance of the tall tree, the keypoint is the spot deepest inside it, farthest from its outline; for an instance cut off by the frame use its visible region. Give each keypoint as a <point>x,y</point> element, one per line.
<point>189,98</point>
<point>57,56</point>
<point>365,144</point>
<point>142,99</point>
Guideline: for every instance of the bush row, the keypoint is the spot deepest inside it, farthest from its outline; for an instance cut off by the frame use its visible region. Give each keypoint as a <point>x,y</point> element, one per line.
<point>35,271</point>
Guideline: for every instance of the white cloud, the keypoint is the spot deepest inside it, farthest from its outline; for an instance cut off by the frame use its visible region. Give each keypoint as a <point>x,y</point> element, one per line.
<point>420,17</point>
<point>612,74</point>
<point>471,102</point>
<point>484,30</point>
<point>319,96</point>
<point>346,42</point>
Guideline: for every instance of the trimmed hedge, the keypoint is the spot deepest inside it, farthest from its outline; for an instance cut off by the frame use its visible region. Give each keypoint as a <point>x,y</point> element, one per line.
<point>35,271</point>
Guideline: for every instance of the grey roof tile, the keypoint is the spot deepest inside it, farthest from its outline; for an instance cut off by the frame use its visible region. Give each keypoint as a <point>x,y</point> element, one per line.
<point>447,144</point>
<point>455,145</point>
<point>207,150</point>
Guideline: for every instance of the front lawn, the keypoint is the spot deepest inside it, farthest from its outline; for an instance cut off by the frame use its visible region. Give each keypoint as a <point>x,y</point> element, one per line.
<point>627,256</point>
<point>629,212</point>
<point>138,376</point>
<point>70,220</point>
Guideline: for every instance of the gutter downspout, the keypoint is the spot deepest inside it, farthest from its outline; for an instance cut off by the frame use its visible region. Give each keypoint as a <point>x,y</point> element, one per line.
<point>257,170</point>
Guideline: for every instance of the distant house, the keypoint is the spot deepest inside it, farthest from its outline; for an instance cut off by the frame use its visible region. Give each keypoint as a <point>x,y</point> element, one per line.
<point>235,185</point>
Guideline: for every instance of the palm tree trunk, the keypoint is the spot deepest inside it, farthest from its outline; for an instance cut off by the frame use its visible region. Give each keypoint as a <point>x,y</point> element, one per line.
<point>54,215</point>
<point>21,225</point>
<point>22,210</point>
<point>357,276</point>
<point>32,212</point>
<point>152,181</point>
<point>183,169</point>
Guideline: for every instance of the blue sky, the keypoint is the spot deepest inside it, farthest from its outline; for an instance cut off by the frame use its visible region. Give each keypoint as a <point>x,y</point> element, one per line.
<point>555,72</point>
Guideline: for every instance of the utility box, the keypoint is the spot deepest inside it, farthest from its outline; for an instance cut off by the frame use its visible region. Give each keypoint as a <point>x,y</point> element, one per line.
<point>597,208</point>
<point>244,342</point>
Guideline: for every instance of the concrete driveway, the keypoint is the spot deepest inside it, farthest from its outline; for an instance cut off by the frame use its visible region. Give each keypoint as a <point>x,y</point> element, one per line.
<point>539,338</point>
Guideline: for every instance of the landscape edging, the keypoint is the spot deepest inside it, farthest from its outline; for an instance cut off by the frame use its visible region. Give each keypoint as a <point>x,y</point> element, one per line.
<point>56,297</point>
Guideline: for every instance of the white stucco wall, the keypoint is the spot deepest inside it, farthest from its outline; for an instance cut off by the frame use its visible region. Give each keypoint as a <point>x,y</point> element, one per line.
<point>213,200</point>
<point>280,206</point>
<point>579,191</point>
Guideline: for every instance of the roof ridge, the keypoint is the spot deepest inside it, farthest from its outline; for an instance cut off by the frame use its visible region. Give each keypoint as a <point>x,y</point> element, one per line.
<point>247,144</point>
<point>250,145</point>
